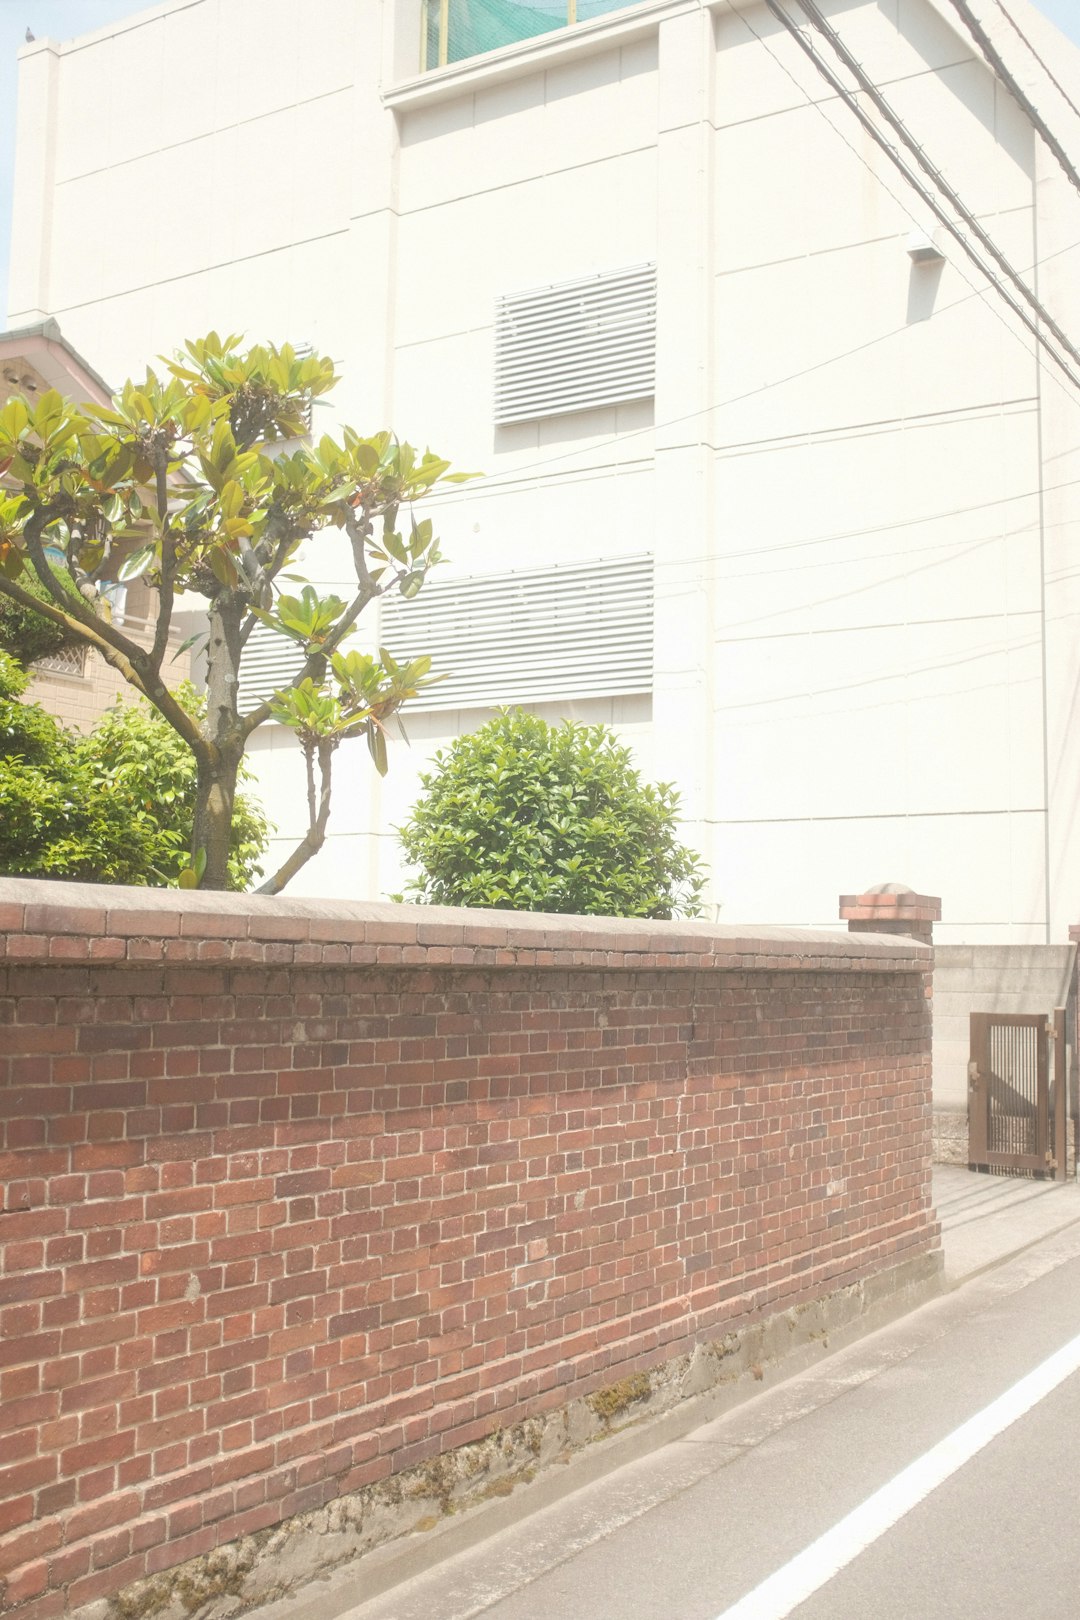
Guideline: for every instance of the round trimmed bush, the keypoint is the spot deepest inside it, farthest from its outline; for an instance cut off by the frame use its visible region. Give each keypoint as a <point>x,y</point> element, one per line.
<point>534,817</point>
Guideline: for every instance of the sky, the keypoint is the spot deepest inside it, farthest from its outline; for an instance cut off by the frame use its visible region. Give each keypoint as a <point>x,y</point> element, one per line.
<point>62,19</point>
<point>52,19</point>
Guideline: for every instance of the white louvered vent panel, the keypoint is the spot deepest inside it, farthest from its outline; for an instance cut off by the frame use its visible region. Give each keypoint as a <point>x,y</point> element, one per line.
<point>269,662</point>
<point>576,631</point>
<point>575,345</point>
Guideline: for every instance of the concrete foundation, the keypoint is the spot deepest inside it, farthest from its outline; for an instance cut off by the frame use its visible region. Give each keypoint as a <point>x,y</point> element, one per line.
<point>458,1496</point>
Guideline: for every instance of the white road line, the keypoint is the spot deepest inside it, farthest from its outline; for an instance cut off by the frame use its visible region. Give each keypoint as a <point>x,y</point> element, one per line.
<point>809,1570</point>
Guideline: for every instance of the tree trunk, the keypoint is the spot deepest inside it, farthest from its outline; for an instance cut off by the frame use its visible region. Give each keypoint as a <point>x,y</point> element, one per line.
<point>219,766</point>
<point>215,793</point>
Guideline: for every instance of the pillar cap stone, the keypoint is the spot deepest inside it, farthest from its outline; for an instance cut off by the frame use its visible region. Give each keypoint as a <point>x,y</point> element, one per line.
<point>890,902</point>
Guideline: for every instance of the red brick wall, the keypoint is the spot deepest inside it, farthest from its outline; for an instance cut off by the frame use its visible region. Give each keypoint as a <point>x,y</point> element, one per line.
<point>297,1195</point>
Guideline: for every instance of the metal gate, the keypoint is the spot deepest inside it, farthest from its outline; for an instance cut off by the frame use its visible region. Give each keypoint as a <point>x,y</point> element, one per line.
<point>1017,1118</point>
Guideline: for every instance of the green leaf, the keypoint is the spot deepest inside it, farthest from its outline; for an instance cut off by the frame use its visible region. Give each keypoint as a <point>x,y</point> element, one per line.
<point>199,635</point>
<point>223,567</point>
<point>231,498</point>
<point>101,413</point>
<point>376,741</point>
<point>137,563</point>
<point>395,546</point>
<point>14,418</point>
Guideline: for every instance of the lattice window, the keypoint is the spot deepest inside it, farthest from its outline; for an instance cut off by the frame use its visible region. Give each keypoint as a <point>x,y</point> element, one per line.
<point>67,661</point>
<point>577,630</point>
<point>575,345</point>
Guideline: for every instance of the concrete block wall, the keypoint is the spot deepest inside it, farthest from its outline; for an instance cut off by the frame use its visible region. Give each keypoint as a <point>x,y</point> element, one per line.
<point>302,1195</point>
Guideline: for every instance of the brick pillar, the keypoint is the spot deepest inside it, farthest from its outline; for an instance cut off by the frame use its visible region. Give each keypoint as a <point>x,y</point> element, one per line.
<point>890,908</point>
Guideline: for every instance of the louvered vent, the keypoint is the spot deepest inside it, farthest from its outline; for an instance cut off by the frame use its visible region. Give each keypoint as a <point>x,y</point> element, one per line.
<point>578,631</point>
<point>576,344</point>
<point>269,662</point>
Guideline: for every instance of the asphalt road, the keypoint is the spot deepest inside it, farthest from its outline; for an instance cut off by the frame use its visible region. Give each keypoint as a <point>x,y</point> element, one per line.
<point>687,1532</point>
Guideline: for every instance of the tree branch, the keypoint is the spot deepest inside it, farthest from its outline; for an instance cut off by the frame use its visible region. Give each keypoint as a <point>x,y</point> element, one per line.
<point>90,629</point>
<point>125,656</point>
<point>316,662</point>
<point>268,571</point>
<point>78,614</point>
<point>358,531</point>
<point>319,815</point>
<point>166,589</point>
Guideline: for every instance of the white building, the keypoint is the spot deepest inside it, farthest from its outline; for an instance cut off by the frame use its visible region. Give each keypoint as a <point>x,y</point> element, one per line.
<point>842,468</point>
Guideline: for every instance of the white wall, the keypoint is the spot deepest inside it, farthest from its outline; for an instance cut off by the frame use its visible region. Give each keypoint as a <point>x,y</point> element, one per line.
<point>855,477</point>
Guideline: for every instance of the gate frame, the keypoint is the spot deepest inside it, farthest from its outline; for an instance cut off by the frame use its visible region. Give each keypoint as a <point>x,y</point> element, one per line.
<point>1050,1158</point>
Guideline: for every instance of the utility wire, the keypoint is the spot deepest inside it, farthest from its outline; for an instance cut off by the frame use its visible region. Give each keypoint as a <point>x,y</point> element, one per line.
<point>1011,20</point>
<point>904,673</point>
<point>498,480</point>
<point>718,560</point>
<point>874,95</point>
<point>880,528</point>
<point>494,481</point>
<point>1023,101</point>
<point>976,292</point>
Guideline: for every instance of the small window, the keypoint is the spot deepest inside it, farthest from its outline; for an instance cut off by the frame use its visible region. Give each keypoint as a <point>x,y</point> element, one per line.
<point>576,345</point>
<point>454,30</point>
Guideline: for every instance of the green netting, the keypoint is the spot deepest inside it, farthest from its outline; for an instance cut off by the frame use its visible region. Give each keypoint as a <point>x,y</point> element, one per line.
<point>597,8</point>
<point>476,26</point>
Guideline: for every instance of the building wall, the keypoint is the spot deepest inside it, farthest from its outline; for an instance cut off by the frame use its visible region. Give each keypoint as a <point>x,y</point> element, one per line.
<point>854,476</point>
<point>302,1196</point>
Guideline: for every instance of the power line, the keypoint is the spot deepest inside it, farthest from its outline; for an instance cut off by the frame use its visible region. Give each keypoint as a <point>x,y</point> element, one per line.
<point>861,590</point>
<point>994,651</point>
<point>1058,86</point>
<point>871,91</point>
<point>494,481</point>
<point>1024,102</point>
<point>976,292</point>
<point>717,560</point>
<point>881,528</point>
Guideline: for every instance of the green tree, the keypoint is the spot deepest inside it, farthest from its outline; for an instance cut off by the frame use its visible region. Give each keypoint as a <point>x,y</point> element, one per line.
<point>548,818</point>
<point>136,755</point>
<point>114,806</point>
<point>202,481</point>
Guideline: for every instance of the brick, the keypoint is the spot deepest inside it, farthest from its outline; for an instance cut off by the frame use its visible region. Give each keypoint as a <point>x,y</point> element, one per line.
<point>290,1185</point>
<point>32,1544</point>
<point>25,1583</point>
<point>15,1511</point>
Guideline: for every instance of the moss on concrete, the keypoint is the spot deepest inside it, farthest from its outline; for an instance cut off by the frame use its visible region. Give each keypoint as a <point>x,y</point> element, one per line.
<point>608,1403</point>
<point>270,1564</point>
